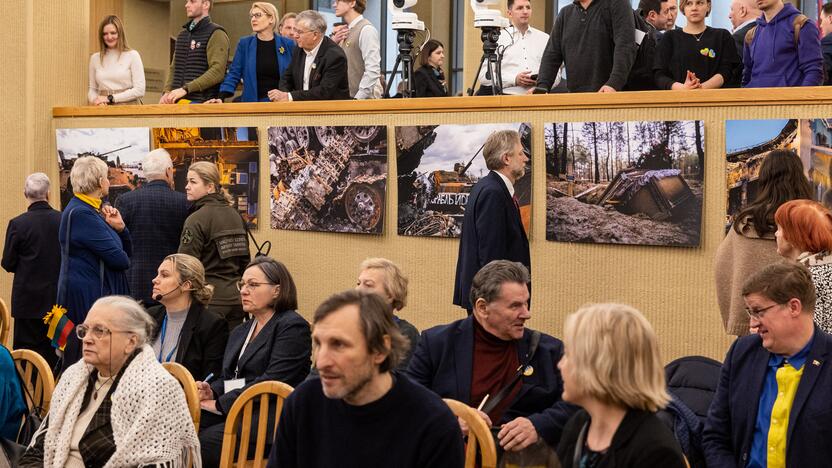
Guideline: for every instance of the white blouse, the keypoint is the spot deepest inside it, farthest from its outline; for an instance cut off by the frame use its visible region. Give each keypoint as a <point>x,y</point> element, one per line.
<point>121,72</point>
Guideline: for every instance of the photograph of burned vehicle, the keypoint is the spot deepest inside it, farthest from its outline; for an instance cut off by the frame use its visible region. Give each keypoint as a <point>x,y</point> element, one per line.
<point>438,166</point>
<point>331,179</point>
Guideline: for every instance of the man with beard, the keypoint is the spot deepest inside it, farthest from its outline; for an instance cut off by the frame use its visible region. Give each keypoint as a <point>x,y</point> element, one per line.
<point>359,412</point>
<point>492,228</point>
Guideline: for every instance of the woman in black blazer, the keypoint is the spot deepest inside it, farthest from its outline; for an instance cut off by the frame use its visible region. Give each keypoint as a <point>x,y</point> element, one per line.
<point>275,345</point>
<point>429,79</point>
<point>611,368</point>
<point>186,331</point>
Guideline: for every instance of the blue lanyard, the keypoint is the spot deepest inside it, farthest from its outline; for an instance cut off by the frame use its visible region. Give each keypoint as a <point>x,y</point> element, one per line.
<point>162,341</point>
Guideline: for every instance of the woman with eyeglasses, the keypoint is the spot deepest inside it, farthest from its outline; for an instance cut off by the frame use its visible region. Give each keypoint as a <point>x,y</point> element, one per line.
<point>804,234</point>
<point>215,234</point>
<point>275,344</point>
<point>260,59</point>
<point>119,406</point>
<point>95,247</point>
<point>187,330</point>
<point>749,245</point>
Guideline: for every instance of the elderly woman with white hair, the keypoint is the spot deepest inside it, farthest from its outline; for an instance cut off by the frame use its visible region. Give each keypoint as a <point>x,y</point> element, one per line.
<point>95,247</point>
<point>119,406</point>
<point>611,367</point>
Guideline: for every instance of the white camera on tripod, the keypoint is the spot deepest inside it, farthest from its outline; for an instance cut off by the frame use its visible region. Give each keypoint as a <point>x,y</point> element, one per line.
<point>485,17</point>
<point>404,20</point>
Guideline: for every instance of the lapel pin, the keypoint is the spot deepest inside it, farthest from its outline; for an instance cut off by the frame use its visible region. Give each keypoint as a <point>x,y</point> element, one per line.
<point>815,362</point>
<point>528,371</point>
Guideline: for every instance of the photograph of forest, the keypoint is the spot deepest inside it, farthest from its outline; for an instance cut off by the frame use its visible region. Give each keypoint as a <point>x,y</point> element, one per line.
<point>637,183</point>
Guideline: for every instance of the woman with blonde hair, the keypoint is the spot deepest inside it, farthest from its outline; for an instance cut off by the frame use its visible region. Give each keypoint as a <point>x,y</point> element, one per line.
<point>187,331</point>
<point>215,233</point>
<point>95,247</point>
<point>385,278</point>
<point>611,368</point>
<point>260,59</point>
<point>804,234</point>
<point>116,71</point>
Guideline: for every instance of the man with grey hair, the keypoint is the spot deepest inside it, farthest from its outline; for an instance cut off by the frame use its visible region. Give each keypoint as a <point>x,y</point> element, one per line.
<point>492,228</point>
<point>318,70</point>
<point>492,361</point>
<point>154,213</point>
<point>32,252</point>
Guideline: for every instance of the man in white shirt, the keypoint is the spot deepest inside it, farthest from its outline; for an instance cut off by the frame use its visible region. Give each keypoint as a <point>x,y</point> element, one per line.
<point>743,15</point>
<point>319,67</point>
<point>522,47</point>
<point>360,41</point>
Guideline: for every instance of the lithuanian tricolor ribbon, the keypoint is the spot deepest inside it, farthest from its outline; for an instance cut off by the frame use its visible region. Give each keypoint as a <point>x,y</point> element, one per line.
<point>60,326</point>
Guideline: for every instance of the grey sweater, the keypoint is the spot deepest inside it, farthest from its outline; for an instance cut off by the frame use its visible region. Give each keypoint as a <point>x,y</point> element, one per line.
<point>596,45</point>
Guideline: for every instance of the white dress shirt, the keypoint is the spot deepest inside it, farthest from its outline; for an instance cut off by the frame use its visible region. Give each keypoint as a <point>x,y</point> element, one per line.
<point>368,42</point>
<point>508,183</point>
<point>523,52</point>
<point>307,67</point>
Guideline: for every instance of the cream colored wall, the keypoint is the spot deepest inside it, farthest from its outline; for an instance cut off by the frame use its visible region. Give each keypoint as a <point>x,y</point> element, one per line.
<point>40,71</point>
<point>144,22</point>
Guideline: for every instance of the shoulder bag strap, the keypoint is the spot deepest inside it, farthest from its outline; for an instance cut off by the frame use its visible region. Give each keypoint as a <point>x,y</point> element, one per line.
<point>61,299</point>
<point>496,399</point>
<point>579,446</point>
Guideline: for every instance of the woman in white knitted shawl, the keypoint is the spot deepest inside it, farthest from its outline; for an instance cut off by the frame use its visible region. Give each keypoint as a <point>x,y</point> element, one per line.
<point>118,407</point>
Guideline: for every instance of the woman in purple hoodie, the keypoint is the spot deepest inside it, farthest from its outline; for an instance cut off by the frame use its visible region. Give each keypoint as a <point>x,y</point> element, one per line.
<point>772,57</point>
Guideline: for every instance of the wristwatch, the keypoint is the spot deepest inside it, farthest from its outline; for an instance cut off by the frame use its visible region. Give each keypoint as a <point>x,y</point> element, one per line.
<point>110,99</point>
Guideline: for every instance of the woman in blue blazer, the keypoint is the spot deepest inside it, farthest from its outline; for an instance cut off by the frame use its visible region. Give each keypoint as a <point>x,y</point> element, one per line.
<point>276,344</point>
<point>260,59</point>
<point>95,248</point>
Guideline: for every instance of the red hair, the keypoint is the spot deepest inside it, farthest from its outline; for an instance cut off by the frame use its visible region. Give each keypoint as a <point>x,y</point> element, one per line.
<point>806,224</point>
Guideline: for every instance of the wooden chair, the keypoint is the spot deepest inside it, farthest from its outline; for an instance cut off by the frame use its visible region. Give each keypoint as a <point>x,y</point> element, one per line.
<point>186,380</point>
<point>5,325</point>
<point>37,376</point>
<point>240,415</point>
<point>478,436</point>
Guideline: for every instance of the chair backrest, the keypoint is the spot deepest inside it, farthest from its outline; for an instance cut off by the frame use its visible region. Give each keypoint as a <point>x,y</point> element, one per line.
<point>694,380</point>
<point>37,377</point>
<point>240,415</point>
<point>5,325</point>
<point>478,436</point>
<point>186,380</point>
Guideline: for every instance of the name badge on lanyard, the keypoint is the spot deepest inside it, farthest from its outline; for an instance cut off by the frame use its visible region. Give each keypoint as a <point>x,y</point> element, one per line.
<point>235,383</point>
<point>162,343</point>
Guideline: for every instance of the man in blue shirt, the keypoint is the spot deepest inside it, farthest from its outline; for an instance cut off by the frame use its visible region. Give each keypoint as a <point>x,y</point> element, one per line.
<point>771,408</point>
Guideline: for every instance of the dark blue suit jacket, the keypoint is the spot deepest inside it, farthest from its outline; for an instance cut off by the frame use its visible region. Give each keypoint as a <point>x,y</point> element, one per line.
<point>443,362</point>
<point>491,230</point>
<point>729,428</point>
<point>244,66</point>
<point>281,351</point>
<point>154,214</point>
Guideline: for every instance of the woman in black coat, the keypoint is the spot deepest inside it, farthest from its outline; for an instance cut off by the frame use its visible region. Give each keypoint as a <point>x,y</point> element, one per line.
<point>611,368</point>
<point>186,331</point>
<point>276,344</point>
<point>429,79</point>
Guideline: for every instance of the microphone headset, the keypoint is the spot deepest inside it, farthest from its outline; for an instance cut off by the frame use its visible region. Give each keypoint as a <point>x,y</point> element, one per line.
<point>158,297</point>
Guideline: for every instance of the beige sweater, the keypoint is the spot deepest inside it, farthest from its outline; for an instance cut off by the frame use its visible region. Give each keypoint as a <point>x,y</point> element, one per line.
<point>737,258</point>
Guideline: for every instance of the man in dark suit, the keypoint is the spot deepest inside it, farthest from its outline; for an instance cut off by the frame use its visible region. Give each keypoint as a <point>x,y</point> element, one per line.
<point>318,70</point>
<point>154,214</point>
<point>772,405</point>
<point>743,16</point>
<point>474,359</point>
<point>32,252</point>
<point>491,228</point>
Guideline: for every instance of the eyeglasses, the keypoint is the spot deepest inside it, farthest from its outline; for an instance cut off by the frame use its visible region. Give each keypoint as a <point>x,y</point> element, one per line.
<point>257,15</point>
<point>251,285</point>
<point>758,314</point>
<point>300,32</point>
<point>98,331</point>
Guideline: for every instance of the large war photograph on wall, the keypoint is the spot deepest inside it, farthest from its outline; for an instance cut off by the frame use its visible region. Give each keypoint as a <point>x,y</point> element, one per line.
<point>331,179</point>
<point>235,151</point>
<point>438,166</point>
<point>636,183</point>
<point>121,148</point>
<point>748,142</point>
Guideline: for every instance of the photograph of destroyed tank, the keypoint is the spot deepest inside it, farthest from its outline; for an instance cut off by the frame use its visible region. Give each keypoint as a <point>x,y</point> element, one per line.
<point>747,142</point>
<point>330,179</point>
<point>635,183</point>
<point>235,151</point>
<point>121,148</point>
<point>437,167</point>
